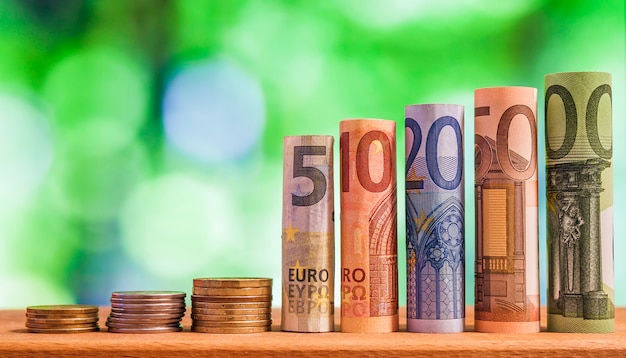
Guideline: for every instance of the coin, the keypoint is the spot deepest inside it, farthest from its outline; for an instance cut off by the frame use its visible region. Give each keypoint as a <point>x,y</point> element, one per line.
<point>149,305</point>
<point>59,326</point>
<point>60,315</point>
<point>229,312</point>
<point>229,291</point>
<point>232,282</point>
<point>231,330</point>
<point>128,325</point>
<point>154,322</point>
<point>232,324</point>
<point>155,316</point>
<point>231,299</point>
<point>230,305</point>
<point>148,294</point>
<point>62,309</point>
<point>145,330</point>
<point>63,330</point>
<point>144,309</point>
<point>147,300</point>
<point>222,318</point>
<point>63,320</point>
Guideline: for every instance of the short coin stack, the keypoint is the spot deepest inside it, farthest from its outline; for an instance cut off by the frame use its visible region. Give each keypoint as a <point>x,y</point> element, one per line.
<point>231,305</point>
<point>146,311</point>
<point>62,319</point>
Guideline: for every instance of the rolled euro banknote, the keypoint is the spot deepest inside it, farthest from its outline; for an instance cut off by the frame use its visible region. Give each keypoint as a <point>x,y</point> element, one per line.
<point>579,176</point>
<point>308,239</point>
<point>507,264</point>
<point>435,232</point>
<point>369,259</point>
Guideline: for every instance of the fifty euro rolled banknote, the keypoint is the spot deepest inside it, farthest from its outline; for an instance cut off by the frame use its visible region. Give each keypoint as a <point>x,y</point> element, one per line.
<point>435,218</point>
<point>507,265</point>
<point>308,239</point>
<point>369,259</point>
<point>579,177</point>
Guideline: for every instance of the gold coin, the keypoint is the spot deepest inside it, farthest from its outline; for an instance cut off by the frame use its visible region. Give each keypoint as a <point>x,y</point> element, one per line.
<point>232,282</point>
<point>62,309</point>
<point>229,312</point>
<point>61,315</point>
<point>231,330</point>
<point>60,326</point>
<point>145,330</point>
<point>233,324</point>
<point>62,320</point>
<point>231,318</point>
<point>230,291</point>
<point>63,330</point>
<point>148,294</point>
<point>231,299</point>
<point>230,305</point>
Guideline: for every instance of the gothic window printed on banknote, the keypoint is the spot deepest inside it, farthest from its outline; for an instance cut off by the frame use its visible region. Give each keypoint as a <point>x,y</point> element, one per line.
<point>369,258</point>
<point>435,218</point>
<point>579,192</point>
<point>308,238</point>
<point>507,265</point>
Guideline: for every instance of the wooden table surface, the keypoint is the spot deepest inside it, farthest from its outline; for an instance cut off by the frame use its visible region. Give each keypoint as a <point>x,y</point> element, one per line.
<point>16,342</point>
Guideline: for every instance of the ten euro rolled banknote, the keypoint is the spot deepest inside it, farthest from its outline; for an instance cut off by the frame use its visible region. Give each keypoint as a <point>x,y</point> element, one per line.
<point>369,259</point>
<point>308,239</point>
<point>507,265</point>
<point>579,202</point>
<point>435,218</point>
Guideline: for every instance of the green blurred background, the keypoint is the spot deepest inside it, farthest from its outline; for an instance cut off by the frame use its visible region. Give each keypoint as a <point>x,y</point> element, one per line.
<point>141,141</point>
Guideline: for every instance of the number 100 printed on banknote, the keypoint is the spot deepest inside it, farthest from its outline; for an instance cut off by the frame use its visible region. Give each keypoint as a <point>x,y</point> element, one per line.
<point>579,176</point>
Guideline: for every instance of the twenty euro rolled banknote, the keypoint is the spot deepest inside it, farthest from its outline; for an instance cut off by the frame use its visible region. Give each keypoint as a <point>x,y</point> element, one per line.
<point>579,176</point>
<point>435,218</point>
<point>507,265</point>
<point>369,260</point>
<point>308,239</point>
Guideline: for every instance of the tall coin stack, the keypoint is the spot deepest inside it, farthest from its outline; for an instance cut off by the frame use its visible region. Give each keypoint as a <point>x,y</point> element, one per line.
<point>62,319</point>
<point>146,311</point>
<point>231,305</point>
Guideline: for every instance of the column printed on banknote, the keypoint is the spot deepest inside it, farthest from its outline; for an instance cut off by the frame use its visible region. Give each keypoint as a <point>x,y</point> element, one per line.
<point>435,234</point>
<point>369,260</point>
<point>579,190</point>
<point>507,267</point>
<point>308,239</point>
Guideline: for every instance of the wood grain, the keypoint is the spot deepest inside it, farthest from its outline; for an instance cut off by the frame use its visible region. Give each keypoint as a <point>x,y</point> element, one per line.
<point>16,342</point>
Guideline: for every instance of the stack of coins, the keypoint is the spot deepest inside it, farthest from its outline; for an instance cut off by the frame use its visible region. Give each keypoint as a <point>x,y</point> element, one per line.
<point>146,311</point>
<point>62,319</point>
<point>231,305</point>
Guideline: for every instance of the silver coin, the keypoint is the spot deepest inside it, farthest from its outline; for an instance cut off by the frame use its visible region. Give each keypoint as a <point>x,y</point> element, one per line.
<point>148,294</point>
<point>145,330</point>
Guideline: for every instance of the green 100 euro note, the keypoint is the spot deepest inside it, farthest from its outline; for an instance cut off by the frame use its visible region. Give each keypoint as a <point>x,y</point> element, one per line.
<point>579,193</point>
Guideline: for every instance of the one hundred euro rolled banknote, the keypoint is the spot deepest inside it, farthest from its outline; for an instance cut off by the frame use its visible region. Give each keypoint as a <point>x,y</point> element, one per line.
<point>507,264</point>
<point>435,234</point>
<point>579,190</point>
<point>308,235</point>
<point>369,259</point>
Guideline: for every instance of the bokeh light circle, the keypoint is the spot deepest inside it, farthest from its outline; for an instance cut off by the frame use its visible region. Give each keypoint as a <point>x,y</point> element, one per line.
<point>175,225</point>
<point>213,111</point>
<point>26,148</point>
